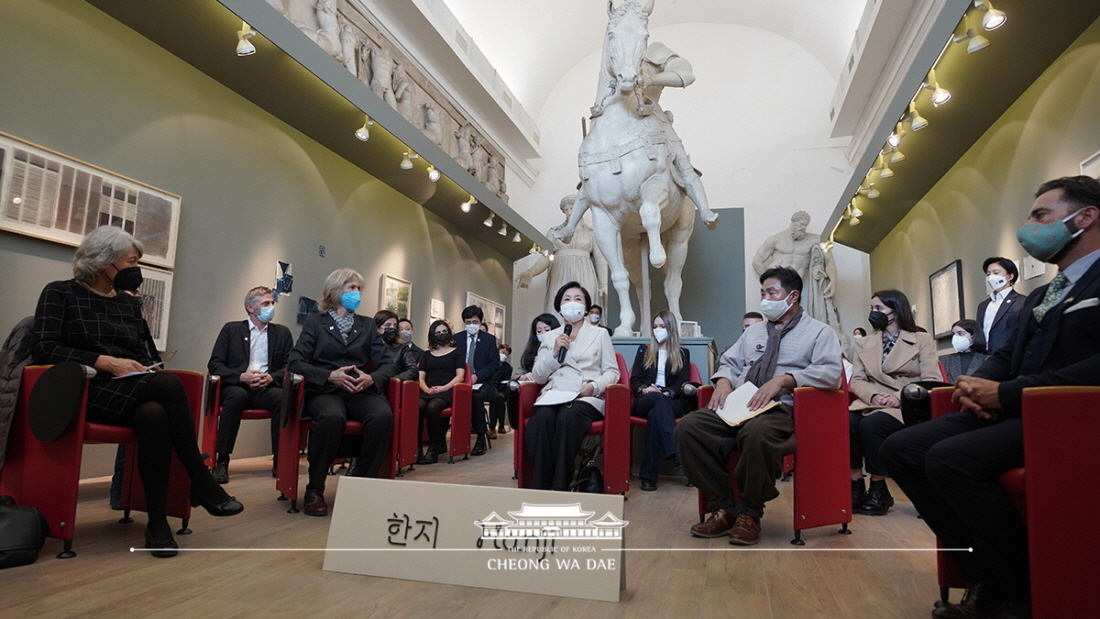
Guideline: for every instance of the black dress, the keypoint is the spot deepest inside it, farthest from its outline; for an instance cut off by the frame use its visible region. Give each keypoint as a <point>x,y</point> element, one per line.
<point>440,370</point>
<point>72,323</point>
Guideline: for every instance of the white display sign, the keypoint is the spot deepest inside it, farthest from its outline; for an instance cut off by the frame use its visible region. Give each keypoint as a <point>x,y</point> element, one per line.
<point>532,541</point>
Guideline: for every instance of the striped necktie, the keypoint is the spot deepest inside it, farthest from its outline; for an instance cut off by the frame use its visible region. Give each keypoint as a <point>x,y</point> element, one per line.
<point>1054,294</point>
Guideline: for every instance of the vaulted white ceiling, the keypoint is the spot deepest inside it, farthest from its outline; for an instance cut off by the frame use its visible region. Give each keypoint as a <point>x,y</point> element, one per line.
<point>533,43</point>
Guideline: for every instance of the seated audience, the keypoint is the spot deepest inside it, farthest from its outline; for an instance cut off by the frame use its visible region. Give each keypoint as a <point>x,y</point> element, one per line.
<point>968,340</point>
<point>583,362</point>
<point>540,326</point>
<point>790,350</point>
<point>998,313</point>
<point>859,333</point>
<point>479,349</point>
<point>405,326</point>
<point>500,401</point>
<point>750,319</point>
<point>949,466</point>
<point>660,370</point>
<point>250,356</point>
<point>398,352</point>
<point>333,353</point>
<point>902,353</point>
<point>595,314</point>
<point>95,319</point>
<point>441,367</point>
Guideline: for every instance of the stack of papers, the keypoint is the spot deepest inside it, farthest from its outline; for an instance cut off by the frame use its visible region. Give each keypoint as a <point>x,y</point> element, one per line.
<point>735,410</point>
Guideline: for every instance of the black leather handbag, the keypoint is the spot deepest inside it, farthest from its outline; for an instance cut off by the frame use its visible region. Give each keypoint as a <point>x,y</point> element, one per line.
<point>22,533</point>
<point>590,477</point>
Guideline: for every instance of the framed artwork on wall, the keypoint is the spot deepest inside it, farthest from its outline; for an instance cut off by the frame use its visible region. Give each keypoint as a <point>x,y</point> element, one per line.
<point>396,295</point>
<point>51,196</point>
<point>1091,166</point>
<point>156,299</point>
<point>494,314</point>
<point>947,298</point>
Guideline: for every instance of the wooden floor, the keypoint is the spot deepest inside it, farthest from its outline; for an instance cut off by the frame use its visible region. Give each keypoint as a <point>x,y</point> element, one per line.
<point>774,579</point>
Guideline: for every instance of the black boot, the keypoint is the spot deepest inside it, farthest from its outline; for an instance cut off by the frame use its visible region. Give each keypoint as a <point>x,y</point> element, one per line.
<point>878,500</point>
<point>479,446</point>
<point>859,494</point>
<point>428,454</point>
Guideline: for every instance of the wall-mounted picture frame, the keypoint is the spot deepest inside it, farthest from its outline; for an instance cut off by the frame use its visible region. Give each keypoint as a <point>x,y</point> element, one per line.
<point>48,195</point>
<point>947,298</point>
<point>437,310</point>
<point>156,300</point>
<point>1091,166</point>
<point>494,314</point>
<point>395,294</point>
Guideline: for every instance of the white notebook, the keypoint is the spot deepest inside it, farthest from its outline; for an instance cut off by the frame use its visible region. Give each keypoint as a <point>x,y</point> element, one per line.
<point>735,410</point>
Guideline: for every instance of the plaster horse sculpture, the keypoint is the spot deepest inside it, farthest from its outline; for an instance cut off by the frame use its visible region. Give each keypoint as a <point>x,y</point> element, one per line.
<point>629,178</point>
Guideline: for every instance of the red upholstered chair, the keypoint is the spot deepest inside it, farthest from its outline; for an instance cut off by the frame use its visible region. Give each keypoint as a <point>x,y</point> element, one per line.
<point>47,474</point>
<point>294,429</point>
<point>639,422</point>
<point>212,412</point>
<point>406,426</point>
<point>614,428</point>
<point>461,413</point>
<point>822,492</point>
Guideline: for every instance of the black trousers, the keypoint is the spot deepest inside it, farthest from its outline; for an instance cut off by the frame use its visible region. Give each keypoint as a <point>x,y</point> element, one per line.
<point>552,436</point>
<point>478,416</point>
<point>866,434</point>
<point>706,443</point>
<point>660,413</point>
<point>497,407</point>
<point>330,413</point>
<point>235,399</point>
<point>431,405</point>
<point>949,468</point>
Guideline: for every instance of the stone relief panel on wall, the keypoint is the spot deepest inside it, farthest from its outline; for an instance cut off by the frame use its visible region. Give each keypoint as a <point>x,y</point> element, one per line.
<point>355,40</point>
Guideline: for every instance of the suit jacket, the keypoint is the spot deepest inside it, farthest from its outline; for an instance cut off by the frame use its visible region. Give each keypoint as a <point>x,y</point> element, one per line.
<point>321,349</point>
<point>404,358</point>
<point>1004,324</point>
<point>486,360</point>
<point>590,358</point>
<point>912,359</point>
<point>233,350</point>
<point>962,364</point>
<point>642,376</point>
<point>1071,350</point>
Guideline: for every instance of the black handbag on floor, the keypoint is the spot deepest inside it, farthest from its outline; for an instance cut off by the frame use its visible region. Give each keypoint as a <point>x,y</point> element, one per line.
<point>22,533</point>
<point>590,477</point>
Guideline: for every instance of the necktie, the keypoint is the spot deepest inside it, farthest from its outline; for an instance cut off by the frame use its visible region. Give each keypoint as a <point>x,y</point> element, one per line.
<point>470,344</point>
<point>1053,296</point>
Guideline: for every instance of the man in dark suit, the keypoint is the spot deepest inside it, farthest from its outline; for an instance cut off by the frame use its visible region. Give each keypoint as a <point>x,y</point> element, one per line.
<point>998,314</point>
<point>949,466</point>
<point>250,356</point>
<point>595,315</point>
<point>479,349</point>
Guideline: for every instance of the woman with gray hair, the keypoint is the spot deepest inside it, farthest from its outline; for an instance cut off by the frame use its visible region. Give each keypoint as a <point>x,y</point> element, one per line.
<point>333,354</point>
<point>95,319</point>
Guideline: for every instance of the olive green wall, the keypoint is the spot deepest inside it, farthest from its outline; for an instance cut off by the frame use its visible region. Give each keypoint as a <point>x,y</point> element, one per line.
<point>974,210</point>
<point>254,189</point>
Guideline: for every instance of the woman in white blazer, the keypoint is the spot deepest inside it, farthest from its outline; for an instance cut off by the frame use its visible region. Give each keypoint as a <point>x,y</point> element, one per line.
<point>896,354</point>
<point>554,433</point>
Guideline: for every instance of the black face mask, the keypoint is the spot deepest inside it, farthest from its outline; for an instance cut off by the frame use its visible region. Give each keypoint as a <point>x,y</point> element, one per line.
<point>128,279</point>
<point>389,335</point>
<point>878,320</point>
<point>441,339</point>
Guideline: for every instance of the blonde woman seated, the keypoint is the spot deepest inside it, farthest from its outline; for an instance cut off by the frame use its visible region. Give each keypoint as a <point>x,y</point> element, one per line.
<point>896,354</point>
<point>660,370</point>
<point>581,361</point>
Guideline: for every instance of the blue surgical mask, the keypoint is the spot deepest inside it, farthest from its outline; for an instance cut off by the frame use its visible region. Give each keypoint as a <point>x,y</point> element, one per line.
<point>1044,241</point>
<point>350,300</point>
<point>266,313</point>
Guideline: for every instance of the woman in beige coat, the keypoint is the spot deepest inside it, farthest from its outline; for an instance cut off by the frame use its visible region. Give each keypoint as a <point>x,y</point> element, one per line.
<point>896,354</point>
<point>577,358</point>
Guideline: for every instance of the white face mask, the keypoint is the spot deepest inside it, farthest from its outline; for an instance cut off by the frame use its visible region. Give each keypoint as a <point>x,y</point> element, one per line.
<point>996,282</point>
<point>572,311</point>
<point>774,310</point>
<point>539,337</point>
<point>473,329</point>
<point>858,336</point>
<point>660,335</point>
<point>503,357</point>
<point>960,343</point>
<point>594,319</point>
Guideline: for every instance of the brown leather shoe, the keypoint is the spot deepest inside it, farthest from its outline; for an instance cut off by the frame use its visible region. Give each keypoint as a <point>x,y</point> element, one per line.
<point>315,503</point>
<point>716,525</point>
<point>746,530</point>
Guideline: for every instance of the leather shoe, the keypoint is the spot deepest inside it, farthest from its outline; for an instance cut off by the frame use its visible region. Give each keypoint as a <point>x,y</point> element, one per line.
<point>719,522</point>
<point>162,548</point>
<point>479,447</point>
<point>967,607</point>
<point>428,456</point>
<point>649,486</point>
<point>859,494</point>
<point>315,503</point>
<point>221,472</point>
<point>229,507</point>
<point>878,500</point>
<point>746,530</point>
<point>492,434</point>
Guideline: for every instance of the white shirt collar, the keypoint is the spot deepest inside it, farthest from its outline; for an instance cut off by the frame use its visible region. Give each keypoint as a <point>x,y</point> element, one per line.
<point>999,296</point>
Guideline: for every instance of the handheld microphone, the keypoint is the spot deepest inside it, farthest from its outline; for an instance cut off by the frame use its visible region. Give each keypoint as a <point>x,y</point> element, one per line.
<point>561,353</point>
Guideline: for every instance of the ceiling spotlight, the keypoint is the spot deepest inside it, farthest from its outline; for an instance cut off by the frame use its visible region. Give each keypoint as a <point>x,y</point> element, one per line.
<point>856,213</point>
<point>489,222</point>
<point>853,221</point>
<point>433,174</point>
<point>363,133</point>
<point>465,206</point>
<point>916,121</point>
<point>406,163</point>
<point>895,137</point>
<point>244,46</point>
<point>548,255</point>
<point>976,41</point>
<point>939,95</point>
<point>848,211</point>
<point>503,230</point>
<point>516,239</point>
<point>534,249</point>
<point>897,157</point>
<point>993,18</point>
<point>869,191</point>
<point>884,169</point>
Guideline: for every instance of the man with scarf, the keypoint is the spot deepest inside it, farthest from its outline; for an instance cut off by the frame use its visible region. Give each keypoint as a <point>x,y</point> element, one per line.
<point>790,349</point>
